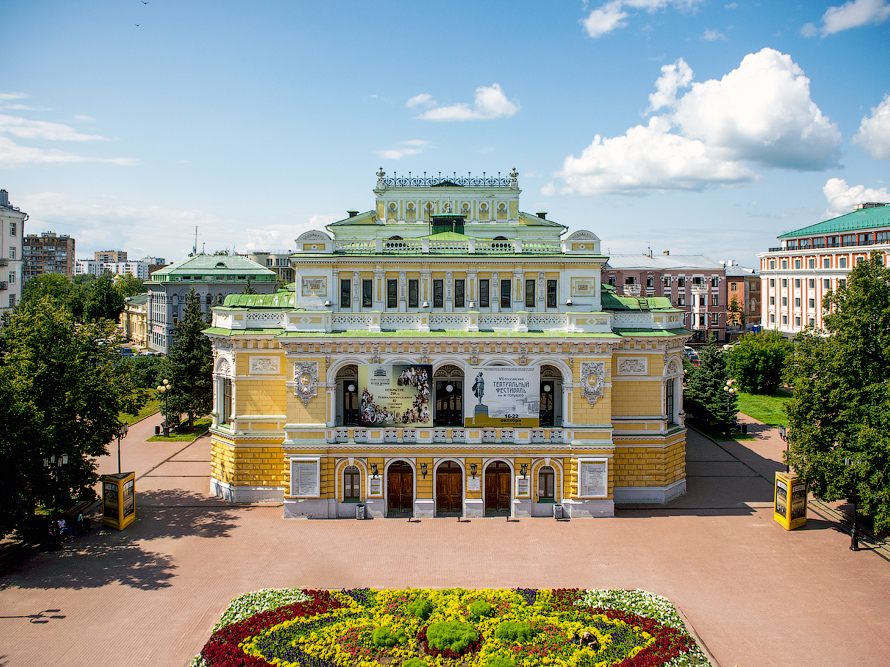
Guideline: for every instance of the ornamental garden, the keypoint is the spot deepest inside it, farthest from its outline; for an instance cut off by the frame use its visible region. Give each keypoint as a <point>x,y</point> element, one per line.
<point>450,628</point>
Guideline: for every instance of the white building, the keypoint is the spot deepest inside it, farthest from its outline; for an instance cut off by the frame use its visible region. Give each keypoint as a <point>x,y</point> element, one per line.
<point>812,261</point>
<point>12,229</point>
<point>95,268</point>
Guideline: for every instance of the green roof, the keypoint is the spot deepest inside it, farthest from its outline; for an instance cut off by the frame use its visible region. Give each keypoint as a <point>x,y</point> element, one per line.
<point>214,265</point>
<point>277,300</point>
<point>864,218</point>
<point>611,301</point>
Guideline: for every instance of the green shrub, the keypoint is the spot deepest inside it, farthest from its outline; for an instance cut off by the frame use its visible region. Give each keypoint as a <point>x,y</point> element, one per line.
<point>385,638</point>
<point>454,635</point>
<point>515,632</point>
<point>757,360</point>
<point>420,608</point>
<point>414,662</point>
<point>500,661</point>
<point>479,609</point>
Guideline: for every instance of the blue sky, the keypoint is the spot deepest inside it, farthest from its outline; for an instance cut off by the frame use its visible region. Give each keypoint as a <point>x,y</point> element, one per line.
<point>682,125</point>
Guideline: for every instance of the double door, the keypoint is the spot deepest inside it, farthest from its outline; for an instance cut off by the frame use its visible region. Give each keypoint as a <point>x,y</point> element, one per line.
<point>400,489</point>
<point>449,489</point>
<point>497,489</point>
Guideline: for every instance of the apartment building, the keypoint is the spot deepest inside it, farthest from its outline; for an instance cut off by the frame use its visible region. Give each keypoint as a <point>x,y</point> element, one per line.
<point>47,253</point>
<point>12,230</point>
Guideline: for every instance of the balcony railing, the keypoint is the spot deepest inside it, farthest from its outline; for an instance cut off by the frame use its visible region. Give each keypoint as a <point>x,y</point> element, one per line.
<point>427,246</point>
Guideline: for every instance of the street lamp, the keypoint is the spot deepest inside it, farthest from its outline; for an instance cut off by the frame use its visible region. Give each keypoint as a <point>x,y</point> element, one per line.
<point>783,433</point>
<point>730,390</point>
<point>121,433</point>
<point>165,388</point>
<point>854,531</point>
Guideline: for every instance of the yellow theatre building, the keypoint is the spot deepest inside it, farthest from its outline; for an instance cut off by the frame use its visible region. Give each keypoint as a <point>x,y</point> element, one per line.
<point>446,354</point>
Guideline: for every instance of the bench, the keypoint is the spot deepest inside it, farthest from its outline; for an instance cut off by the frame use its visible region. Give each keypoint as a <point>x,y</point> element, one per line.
<point>70,515</point>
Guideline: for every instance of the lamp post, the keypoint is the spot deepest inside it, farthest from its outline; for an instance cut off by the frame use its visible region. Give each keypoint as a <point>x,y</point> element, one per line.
<point>783,433</point>
<point>730,390</point>
<point>854,531</point>
<point>121,433</point>
<point>165,388</point>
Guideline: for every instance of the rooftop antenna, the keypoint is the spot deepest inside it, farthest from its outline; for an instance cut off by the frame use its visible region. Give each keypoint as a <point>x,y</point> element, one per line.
<point>195,247</point>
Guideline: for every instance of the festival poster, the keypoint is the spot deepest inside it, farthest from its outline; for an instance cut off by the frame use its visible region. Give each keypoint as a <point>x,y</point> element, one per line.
<point>502,396</point>
<point>395,394</point>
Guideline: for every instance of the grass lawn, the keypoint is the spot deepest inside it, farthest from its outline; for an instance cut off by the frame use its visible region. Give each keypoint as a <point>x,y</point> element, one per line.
<point>152,406</point>
<point>199,427</point>
<point>766,408</point>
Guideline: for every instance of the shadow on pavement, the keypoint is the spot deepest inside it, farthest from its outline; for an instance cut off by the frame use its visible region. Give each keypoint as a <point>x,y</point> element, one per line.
<point>105,556</point>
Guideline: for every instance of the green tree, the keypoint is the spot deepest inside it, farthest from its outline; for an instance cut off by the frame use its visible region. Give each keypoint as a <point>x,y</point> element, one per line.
<point>189,364</point>
<point>736,312</point>
<point>62,387</point>
<point>103,301</point>
<point>77,296</point>
<point>54,285</point>
<point>840,409</point>
<point>705,399</point>
<point>757,360</point>
<point>248,288</point>
<point>129,285</point>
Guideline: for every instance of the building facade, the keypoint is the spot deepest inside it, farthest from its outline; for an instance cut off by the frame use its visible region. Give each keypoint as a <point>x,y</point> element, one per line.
<point>12,231</point>
<point>110,256</point>
<point>213,277</point>
<point>446,354</point>
<point>140,269</point>
<point>48,253</point>
<point>694,283</point>
<point>743,302</point>
<point>277,261</point>
<point>796,276</point>
<point>134,319</point>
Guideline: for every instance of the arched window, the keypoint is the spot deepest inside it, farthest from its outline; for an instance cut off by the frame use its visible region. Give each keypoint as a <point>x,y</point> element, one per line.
<point>209,299</point>
<point>500,238</point>
<point>395,238</point>
<point>546,484</point>
<point>219,299</point>
<point>352,485</point>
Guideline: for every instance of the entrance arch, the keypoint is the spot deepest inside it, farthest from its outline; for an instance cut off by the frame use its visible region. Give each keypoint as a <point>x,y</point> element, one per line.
<point>448,386</point>
<point>551,397</point>
<point>449,489</point>
<point>347,396</point>
<point>400,490</point>
<point>498,478</point>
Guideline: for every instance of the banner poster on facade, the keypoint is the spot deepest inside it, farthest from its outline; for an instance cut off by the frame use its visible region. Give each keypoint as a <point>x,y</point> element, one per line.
<point>395,394</point>
<point>501,396</point>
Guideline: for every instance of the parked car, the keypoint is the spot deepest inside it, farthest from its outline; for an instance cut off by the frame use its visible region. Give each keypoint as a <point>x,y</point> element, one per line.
<point>692,355</point>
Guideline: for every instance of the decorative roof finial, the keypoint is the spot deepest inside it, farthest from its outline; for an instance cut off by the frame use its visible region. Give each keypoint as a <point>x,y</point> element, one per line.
<point>380,175</point>
<point>514,179</point>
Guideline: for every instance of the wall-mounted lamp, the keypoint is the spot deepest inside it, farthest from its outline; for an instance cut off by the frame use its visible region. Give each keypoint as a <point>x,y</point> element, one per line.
<point>523,469</point>
<point>374,471</point>
<point>327,304</point>
<point>423,469</point>
<point>350,388</point>
<point>569,302</point>
<point>449,388</point>
<point>425,304</point>
<point>473,469</point>
<point>471,305</point>
<point>546,387</point>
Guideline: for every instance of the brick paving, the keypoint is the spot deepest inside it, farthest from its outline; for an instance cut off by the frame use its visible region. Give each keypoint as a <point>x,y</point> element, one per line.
<point>755,594</point>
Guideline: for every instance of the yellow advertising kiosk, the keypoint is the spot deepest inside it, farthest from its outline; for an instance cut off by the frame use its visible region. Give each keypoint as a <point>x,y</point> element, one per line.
<point>119,499</point>
<point>789,501</point>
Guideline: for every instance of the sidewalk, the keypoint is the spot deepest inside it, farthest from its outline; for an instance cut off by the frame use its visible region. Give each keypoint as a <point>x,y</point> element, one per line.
<point>756,594</point>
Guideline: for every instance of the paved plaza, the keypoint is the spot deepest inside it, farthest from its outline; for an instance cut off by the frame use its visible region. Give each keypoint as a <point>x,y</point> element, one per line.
<point>755,594</point>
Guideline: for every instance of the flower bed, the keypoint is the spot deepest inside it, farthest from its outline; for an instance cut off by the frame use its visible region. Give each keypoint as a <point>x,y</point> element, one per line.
<point>450,628</point>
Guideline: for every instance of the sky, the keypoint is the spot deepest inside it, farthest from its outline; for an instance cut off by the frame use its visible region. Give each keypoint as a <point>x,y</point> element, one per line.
<point>692,126</point>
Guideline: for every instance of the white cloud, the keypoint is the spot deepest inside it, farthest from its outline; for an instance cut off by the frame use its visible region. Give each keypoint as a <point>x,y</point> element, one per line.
<point>611,15</point>
<point>13,155</point>
<point>410,147</point>
<point>713,35</point>
<point>13,96</point>
<point>674,76</point>
<point>853,14</point>
<point>731,5</point>
<point>842,197</point>
<point>39,129</point>
<point>874,131</point>
<point>759,113</point>
<point>490,102</point>
<point>422,98</point>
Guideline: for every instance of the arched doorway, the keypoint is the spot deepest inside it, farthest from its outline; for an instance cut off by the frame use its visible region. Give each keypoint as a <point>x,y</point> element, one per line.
<point>449,383</point>
<point>449,489</point>
<point>400,490</point>
<point>550,410</point>
<point>347,389</point>
<point>497,489</point>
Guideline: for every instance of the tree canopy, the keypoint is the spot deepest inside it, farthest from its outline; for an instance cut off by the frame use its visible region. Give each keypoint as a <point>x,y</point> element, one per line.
<point>103,301</point>
<point>62,386</point>
<point>757,360</point>
<point>840,410</point>
<point>189,364</point>
<point>128,285</point>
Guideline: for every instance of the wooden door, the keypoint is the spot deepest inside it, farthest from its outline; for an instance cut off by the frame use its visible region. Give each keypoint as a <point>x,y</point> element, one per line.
<point>449,489</point>
<point>400,489</point>
<point>497,489</point>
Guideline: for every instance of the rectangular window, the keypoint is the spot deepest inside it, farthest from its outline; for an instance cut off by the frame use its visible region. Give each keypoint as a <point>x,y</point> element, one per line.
<point>772,318</point>
<point>715,318</point>
<point>669,401</point>
<point>667,281</point>
<point>12,229</point>
<point>701,300</point>
<point>612,281</point>
<point>812,303</point>
<point>797,302</point>
<point>784,319</point>
<point>797,283</point>
<point>351,483</point>
<point>367,293</point>
<point>12,300</point>
<point>772,301</point>
<point>701,320</point>
<point>11,277</point>
<point>772,264</point>
<point>715,282</point>
<point>826,263</point>
<point>797,321</point>
<point>413,293</point>
<point>681,300</point>
<point>811,263</point>
<point>650,281</point>
<point>772,282</point>
<point>529,293</point>
<point>812,283</point>
<point>459,292</point>
<point>552,294</point>
<point>698,281</point>
<point>506,292</point>
<point>733,287</point>
<point>227,401</point>
<point>784,282</point>
<point>842,262</point>
<point>484,297</point>
<point>346,295</point>
<point>681,281</point>
<point>12,253</point>
<point>784,263</point>
<point>438,293</point>
<point>714,300</point>
<point>392,293</point>
<point>796,263</point>
<point>841,282</point>
<point>785,301</point>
